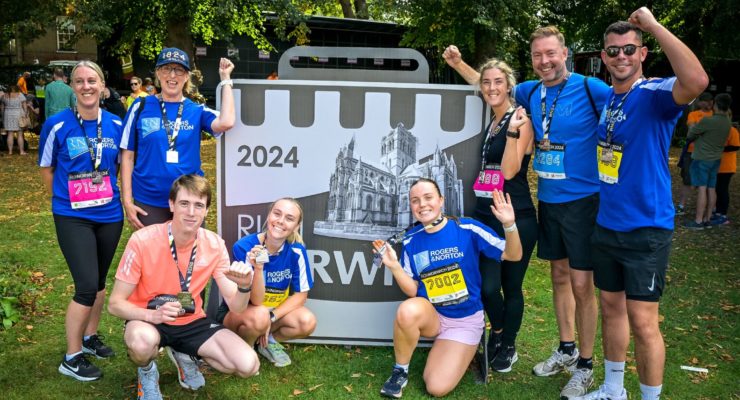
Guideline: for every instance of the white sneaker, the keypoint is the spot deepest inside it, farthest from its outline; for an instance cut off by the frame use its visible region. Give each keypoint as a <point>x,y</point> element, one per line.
<point>602,394</point>
<point>148,384</point>
<point>188,373</point>
<point>558,362</point>
<point>578,385</point>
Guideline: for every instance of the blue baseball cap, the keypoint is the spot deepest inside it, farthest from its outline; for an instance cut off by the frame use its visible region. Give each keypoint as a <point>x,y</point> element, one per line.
<point>172,55</point>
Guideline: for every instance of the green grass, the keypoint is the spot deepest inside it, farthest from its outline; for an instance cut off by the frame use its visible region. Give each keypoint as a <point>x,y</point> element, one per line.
<point>700,309</point>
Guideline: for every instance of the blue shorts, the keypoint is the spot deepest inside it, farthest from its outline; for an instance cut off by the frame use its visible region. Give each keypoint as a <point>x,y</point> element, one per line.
<point>704,172</point>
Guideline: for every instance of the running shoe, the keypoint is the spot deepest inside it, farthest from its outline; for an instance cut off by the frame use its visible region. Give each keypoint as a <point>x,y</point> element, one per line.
<point>95,346</point>
<point>693,225</point>
<point>188,373</point>
<point>680,209</point>
<point>505,358</point>
<point>80,368</point>
<point>578,385</point>
<point>148,387</point>
<point>494,345</point>
<point>275,353</point>
<point>557,362</point>
<point>393,387</point>
<point>602,394</point>
<point>719,220</point>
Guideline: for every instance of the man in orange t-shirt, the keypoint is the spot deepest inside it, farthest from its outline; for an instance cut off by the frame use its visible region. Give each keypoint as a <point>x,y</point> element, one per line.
<point>23,82</point>
<point>727,168</point>
<point>161,310</point>
<point>704,106</point>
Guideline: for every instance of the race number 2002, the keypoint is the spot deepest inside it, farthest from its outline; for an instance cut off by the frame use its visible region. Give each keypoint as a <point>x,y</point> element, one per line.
<point>261,156</point>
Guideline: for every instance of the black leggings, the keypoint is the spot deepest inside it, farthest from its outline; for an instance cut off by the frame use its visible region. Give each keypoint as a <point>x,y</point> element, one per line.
<point>89,248</point>
<point>723,192</point>
<point>156,215</point>
<point>505,311</point>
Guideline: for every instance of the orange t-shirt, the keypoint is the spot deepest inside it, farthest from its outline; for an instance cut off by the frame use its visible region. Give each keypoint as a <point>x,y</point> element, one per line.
<point>691,120</point>
<point>728,163</point>
<point>148,264</point>
<point>22,85</point>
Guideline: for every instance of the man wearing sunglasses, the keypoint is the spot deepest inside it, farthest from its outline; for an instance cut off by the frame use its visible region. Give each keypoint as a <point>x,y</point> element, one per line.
<point>632,238</point>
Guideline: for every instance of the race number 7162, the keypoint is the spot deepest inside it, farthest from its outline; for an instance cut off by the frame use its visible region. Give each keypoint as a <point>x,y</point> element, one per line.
<point>260,156</point>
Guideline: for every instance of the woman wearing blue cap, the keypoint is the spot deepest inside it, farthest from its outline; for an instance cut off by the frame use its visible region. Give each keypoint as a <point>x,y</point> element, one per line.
<point>161,137</point>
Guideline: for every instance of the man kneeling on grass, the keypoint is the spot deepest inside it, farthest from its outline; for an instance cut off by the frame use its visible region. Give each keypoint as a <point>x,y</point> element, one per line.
<point>162,310</point>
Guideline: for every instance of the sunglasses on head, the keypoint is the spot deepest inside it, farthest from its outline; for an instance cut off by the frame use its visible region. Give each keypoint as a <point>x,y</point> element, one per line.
<point>628,49</point>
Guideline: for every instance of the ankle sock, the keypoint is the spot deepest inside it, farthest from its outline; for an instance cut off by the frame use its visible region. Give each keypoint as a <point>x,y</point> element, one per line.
<point>68,357</point>
<point>567,347</point>
<point>586,363</point>
<point>650,392</point>
<point>404,367</point>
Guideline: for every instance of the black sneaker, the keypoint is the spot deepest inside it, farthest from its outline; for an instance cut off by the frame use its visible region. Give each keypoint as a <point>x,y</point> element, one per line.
<point>505,358</point>
<point>494,345</point>
<point>393,387</point>
<point>80,368</point>
<point>96,347</point>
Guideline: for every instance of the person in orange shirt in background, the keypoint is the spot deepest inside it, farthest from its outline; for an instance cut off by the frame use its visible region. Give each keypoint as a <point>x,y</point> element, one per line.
<point>727,168</point>
<point>704,109</point>
<point>23,82</point>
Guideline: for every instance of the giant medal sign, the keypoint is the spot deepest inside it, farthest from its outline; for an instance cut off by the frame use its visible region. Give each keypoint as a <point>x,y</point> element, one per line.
<point>347,144</point>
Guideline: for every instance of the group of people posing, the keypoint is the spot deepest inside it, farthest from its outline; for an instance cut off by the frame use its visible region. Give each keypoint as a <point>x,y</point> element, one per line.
<point>605,219</point>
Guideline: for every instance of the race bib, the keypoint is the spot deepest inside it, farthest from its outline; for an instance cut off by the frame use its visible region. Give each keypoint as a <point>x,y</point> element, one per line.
<point>549,161</point>
<point>89,189</point>
<point>609,157</point>
<point>445,286</point>
<point>489,179</point>
<point>274,297</point>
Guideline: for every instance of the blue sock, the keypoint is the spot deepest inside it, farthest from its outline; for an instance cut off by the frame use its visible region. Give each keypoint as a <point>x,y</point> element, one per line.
<point>650,392</point>
<point>613,377</point>
<point>68,357</point>
<point>404,367</point>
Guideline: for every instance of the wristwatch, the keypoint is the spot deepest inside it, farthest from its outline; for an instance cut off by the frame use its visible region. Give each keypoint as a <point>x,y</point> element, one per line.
<point>273,317</point>
<point>514,134</point>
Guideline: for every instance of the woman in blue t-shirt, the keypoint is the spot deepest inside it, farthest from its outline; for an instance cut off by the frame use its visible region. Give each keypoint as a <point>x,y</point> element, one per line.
<point>161,137</point>
<point>78,156</point>
<point>440,273</point>
<point>277,311</point>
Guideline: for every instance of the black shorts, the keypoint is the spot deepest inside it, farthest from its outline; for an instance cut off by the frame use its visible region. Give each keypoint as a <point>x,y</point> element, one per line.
<point>565,231</point>
<point>634,262</point>
<point>187,338</point>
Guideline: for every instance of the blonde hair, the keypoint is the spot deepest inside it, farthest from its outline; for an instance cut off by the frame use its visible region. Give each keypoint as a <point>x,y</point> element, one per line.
<point>92,66</point>
<point>294,236</point>
<point>504,68</point>
<point>547,31</point>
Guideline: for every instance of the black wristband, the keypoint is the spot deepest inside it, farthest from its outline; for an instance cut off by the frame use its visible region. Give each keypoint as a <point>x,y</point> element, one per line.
<point>244,290</point>
<point>514,135</point>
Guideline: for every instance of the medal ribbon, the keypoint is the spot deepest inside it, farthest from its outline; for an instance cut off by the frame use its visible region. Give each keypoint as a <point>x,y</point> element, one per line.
<point>547,119</point>
<point>492,135</point>
<point>171,134</point>
<point>96,155</point>
<point>609,113</point>
<point>184,280</point>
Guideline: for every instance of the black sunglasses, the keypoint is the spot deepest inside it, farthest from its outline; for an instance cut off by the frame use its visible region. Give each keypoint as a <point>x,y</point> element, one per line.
<point>628,49</point>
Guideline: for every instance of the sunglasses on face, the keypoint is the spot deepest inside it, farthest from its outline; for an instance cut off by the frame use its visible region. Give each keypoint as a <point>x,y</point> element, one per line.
<point>628,49</point>
<point>134,84</point>
<point>176,70</point>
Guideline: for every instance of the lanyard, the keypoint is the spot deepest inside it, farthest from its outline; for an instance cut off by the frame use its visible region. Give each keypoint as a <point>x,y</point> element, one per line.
<point>171,134</point>
<point>547,119</point>
<point>184,281</point>
<point>609,113</point>
<point>262,243</point>
<point>492,135</point>
<point>96,155</point>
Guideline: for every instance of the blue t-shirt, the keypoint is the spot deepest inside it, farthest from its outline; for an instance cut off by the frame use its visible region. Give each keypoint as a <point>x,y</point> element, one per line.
<point>287,272</point>
<point>574,124</point>
<point>445,263</point>
<point>64,146</point>
<point>153,175</point>
<point>641,196</point>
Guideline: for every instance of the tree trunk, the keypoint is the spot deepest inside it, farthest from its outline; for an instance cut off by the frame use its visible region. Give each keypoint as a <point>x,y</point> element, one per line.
<point>178,35</point>
<point>347,8</point>
<point>361,9</point>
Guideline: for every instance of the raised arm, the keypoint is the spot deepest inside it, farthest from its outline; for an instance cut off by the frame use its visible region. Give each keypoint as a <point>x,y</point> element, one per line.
<point>407,284</point>
<point>226,118</point>
<point>691,79</point>
<point>453,58</point>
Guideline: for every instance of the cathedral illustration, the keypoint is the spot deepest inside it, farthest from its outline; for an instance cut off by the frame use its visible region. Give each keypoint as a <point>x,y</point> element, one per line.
<point>369,200</point>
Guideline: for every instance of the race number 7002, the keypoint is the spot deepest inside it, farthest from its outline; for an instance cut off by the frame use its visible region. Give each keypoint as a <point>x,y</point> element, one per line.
<point>260,156</point>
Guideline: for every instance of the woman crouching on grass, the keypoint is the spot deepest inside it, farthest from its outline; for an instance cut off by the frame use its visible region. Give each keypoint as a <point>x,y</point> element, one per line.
<point>279,293</point>
<point>442,254</point>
